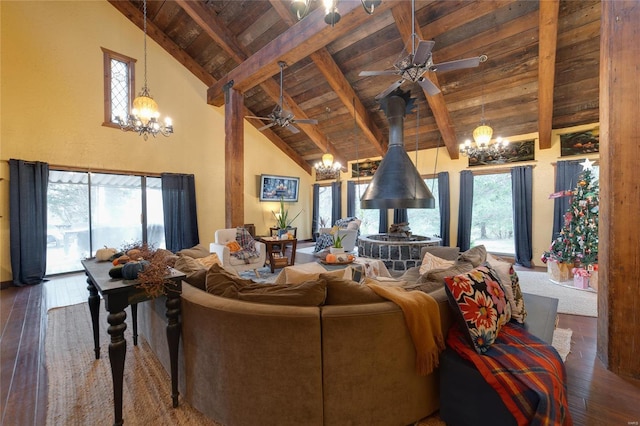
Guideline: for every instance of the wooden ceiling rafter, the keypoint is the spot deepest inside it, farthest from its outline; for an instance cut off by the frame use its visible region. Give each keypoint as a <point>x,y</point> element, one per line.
<point>402,15</point>
<point>216,29</point>
<point>548,39</point>
<point>157,35</point>
<point>341,86</point>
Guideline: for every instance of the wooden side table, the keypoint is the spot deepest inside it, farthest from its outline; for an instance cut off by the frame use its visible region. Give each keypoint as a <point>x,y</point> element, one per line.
<point>278,247</point>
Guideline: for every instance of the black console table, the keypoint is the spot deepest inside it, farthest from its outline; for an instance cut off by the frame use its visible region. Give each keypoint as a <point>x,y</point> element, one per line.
<point>118,294</point>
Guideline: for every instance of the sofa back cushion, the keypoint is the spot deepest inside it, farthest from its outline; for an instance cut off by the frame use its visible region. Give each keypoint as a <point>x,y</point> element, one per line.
<point>341,291</point>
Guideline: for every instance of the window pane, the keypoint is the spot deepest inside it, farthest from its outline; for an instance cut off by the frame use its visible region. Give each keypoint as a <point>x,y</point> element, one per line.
<point>67,221</point>
<point>116,210</point>
<point>370,217</point>
<point>492,221</point>
<point>155,213</point>
<point>426,222</point>
<point>119,89</point>
<point>324,209</point>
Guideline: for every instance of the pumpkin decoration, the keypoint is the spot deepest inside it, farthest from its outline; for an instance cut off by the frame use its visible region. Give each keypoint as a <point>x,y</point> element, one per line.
<point>121,260</point>
<point>130,270</point>
<point>105,253</point>
<point>331,258</point>
<point>116,272</point>
<point>134,254</point>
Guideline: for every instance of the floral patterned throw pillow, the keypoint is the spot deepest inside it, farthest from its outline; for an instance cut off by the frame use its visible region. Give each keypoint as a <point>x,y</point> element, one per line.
<point>479,300</point>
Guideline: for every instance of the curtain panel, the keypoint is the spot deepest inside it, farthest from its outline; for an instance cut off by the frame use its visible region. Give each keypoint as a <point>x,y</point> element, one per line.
<point>444,204</point>
<point>383,227</point>
<point>315,215</point>
<point>336,202</point>
<point>465,210</point>
<point>567,173</point>
<point>351,199</point>
<point>28,182</point>
<point>180,214</point>
<point>521,190</point>
<point>400,216</point>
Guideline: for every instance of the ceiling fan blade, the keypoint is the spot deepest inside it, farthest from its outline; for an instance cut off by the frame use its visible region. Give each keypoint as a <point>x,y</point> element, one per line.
<point>422,51</point>
<point>456,65</point>
<point>390,89</point>
<point>305,121</point>
<point>428,86</point>
<point>292,129</point>
<point>267,126</point>
<point>371,73</point>
<point>257,118</point>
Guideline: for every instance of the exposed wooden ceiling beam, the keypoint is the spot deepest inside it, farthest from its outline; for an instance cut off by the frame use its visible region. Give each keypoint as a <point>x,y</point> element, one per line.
<point>136,17</point>
<point>308,35</point>
<point>402,15</point>
<point>548,38</point>
<point>340,85</point>
<point>216,29</point>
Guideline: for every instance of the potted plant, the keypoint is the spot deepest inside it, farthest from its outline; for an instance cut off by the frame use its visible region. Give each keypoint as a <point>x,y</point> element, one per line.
<point>337,241</point>
<point>282,218</point>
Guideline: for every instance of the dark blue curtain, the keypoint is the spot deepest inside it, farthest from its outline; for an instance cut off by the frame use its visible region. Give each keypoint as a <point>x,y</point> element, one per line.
<point>28,183</point>
<point>316,210</point>
<point>445,207</point>
<point>465,210</point>
<point>400,216</point>
<point>336,202</point>
<point>180,215</point>
<point>521,190</point>
<point>351,198</point>
<point>566,179</point>
<point>383,227</point>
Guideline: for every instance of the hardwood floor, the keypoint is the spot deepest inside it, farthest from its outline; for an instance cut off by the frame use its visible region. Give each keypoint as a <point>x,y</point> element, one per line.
<point>596,396</point>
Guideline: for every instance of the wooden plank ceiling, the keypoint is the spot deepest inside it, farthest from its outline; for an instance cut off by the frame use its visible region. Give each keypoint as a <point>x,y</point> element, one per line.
<point>529,78</point>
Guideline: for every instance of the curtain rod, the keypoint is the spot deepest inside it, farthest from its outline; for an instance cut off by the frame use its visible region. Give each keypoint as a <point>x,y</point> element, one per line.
<point>95,170</point>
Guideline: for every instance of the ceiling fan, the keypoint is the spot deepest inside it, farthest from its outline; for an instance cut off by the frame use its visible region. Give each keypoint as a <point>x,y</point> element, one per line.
<point>281,117</point>
<point>413,66</point>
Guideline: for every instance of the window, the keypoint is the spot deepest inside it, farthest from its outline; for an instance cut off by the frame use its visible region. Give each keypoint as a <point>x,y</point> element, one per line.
<point>492,218</point>
<point>370,217</point>
<point>426,222</point>
<point>87,211</point>
<point>325,201</point>
<point>119,87</point>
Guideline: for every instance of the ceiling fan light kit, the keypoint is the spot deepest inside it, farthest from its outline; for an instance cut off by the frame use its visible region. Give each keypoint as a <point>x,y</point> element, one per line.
<point>300,8</point>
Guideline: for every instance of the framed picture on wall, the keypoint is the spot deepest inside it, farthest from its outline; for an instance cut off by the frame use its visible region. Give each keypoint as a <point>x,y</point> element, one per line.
<point>580,143</point>
<point>276,188</point>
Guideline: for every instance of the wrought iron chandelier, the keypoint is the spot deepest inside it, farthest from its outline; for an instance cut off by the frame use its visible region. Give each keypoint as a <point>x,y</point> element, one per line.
<point>143,118</point>
<point>327,169</point>
<point>484,149</point>
<point>301,7</point>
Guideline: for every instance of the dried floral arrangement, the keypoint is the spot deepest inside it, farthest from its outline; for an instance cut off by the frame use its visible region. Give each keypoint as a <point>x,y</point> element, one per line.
<point>153,279</point>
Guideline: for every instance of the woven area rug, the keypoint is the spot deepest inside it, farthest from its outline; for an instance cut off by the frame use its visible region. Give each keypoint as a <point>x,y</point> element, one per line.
<point>562,341</point>
<point>571,301</point>
<point>80,390</point>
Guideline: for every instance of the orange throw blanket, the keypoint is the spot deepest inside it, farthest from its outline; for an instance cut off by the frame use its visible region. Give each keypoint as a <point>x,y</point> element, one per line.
<point>422,315</point>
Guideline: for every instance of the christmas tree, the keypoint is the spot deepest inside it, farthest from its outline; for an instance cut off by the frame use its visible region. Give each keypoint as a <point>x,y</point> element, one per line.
<point>578,240</point>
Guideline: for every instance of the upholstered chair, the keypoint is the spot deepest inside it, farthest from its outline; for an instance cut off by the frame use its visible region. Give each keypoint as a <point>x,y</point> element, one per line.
<point>219,246</point>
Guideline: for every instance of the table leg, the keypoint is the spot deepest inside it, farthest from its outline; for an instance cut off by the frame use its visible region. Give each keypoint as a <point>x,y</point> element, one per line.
<point>134,320</point>
<point>94,307</point>
<point>117,352</point>
<point>173,339</point>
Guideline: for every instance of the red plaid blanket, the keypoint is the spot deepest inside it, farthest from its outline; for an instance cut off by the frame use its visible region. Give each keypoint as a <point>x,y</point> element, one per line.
<point>527,373</point>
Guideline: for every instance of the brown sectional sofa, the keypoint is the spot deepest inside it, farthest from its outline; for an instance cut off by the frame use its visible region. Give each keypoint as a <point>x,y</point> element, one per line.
<point>245,363</point>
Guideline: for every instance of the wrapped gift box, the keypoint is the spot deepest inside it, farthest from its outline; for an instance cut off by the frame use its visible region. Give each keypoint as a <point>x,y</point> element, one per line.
<point>559,272</point>
<point>581,281</point>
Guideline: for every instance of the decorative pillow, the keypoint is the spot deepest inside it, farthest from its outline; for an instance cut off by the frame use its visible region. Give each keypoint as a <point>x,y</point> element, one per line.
<point>342,291</point>
<point>322,242</point>
<point>307,293</point>
<point>234,246</point>
<point>443,252</point>
<point>354,225</point>
<point>295,276</point>
<point>198,250</point>
<point>209,260</point>
<point>479,301</point>
<point>186,264</point>
<point>197,279</point>
<point>224,283</point>
<point>511,285</point>
<point>439,274</point>
<point>430,262</point>
<point>476,255</point>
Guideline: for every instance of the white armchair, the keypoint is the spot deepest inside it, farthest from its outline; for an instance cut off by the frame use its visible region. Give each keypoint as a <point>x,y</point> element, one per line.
<point>349,237</point>
<point>219,246</point>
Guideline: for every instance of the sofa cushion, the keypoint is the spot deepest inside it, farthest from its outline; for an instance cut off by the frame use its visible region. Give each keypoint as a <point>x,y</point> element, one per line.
<point>209,260</point>
<point>511,284</point>
<point>429,262</point>
<point>307,293</point>
<point>438,275</point>
<point>341,291</point>
<point>443,252</point>
<point>296,275</point>
<point>197,279</point>
<point>478,299</point>
<point>187,264</point>
<point>222,282</point>
<point>198,250</point>
<point>476,255</point>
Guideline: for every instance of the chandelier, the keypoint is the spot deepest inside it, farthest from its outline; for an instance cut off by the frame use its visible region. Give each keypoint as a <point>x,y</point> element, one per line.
<point>144,115</point>
<point>485,151</point>
<point>301,7</point>
<point>327,169</point>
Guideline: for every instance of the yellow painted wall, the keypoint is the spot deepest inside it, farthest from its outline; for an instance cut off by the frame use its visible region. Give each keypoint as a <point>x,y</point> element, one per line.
<point>52,111</point>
